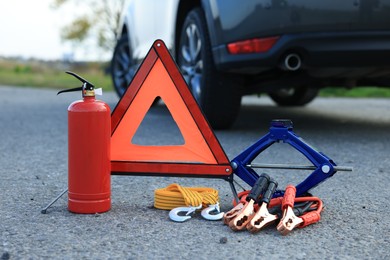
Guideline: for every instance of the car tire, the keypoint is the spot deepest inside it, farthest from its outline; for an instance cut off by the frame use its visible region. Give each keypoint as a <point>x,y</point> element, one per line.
<point>217,94</point>
<point>294,96</point>
<point>123,67</point>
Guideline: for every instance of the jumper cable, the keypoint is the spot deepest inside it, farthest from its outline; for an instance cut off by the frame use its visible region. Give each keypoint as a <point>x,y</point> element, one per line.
<point>243,216</point>
<point>290,210</point>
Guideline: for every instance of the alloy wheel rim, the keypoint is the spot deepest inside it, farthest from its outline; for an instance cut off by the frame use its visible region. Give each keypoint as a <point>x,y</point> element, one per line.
<point>192,63</point>
<point>124,68</point>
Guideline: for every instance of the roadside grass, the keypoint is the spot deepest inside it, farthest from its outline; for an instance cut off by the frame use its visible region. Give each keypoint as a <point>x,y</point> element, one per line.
<point>368,92</point>
<point>52,75</point>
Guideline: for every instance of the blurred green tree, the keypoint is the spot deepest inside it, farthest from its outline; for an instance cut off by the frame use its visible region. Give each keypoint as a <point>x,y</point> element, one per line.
<point>98,21</point>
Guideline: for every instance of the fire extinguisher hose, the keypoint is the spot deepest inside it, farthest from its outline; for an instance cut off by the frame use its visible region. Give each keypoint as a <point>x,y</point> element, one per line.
<point>174,196</point>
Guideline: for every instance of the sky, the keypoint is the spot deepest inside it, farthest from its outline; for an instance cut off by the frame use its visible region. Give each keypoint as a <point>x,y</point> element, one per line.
<point>31,29</point>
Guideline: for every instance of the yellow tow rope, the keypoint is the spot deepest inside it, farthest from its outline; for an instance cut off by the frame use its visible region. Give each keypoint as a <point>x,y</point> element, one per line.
<point>174,196</point>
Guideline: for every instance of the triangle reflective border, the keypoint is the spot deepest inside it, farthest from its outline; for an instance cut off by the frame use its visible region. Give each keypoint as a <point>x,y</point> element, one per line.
<point>201,155</point>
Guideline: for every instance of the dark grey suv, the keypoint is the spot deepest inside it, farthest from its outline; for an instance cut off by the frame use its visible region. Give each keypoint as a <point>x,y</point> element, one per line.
<point>287,49</point>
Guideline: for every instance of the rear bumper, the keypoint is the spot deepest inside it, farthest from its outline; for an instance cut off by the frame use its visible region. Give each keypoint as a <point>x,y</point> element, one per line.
<point>317,50</point>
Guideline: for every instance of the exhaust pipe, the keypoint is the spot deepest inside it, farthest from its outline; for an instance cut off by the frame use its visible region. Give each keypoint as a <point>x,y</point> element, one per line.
<point>292,62</point>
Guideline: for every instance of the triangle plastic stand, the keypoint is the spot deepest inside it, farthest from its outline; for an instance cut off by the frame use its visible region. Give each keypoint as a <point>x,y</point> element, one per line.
<point>201,155</point>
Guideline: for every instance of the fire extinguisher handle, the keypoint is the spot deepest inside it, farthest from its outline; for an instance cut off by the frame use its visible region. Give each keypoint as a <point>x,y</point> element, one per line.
<point>87,86</point>
<point>80,78</point>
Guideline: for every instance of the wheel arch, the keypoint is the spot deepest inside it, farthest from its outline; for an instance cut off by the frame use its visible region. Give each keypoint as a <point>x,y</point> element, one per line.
<point>208,7</point>
<point>184,8</point>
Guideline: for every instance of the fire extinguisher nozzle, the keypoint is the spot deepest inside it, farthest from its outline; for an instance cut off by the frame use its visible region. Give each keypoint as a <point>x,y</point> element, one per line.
<point>70,90</point>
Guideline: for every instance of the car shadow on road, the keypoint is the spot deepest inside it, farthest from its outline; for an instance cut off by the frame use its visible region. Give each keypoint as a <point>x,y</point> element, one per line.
<point>309,119</point>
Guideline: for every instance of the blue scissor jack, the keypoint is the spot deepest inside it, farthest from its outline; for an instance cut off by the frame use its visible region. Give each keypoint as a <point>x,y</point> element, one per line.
<point>282,131</point>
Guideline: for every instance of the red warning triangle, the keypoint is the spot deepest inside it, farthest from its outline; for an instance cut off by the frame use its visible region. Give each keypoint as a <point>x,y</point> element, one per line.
<point>200,155</point>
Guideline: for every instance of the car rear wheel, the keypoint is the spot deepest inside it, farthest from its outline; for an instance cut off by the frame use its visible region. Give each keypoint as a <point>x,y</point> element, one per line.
<point>123,67</point>
<point>215,92</point>
<point>294,96</point>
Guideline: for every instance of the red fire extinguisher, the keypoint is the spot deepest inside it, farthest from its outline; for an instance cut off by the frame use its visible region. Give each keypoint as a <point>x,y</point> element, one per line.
<point>89,166</point>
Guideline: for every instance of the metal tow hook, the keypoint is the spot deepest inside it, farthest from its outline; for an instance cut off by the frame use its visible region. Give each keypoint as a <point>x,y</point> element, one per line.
<point>212,208</point>
<point>174,213</point>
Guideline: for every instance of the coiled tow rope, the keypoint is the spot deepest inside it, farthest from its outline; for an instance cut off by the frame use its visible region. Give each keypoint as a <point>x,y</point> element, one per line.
<point>174,196</point>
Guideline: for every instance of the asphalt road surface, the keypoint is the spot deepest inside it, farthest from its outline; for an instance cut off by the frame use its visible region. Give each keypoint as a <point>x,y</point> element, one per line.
<point>33,171</point>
